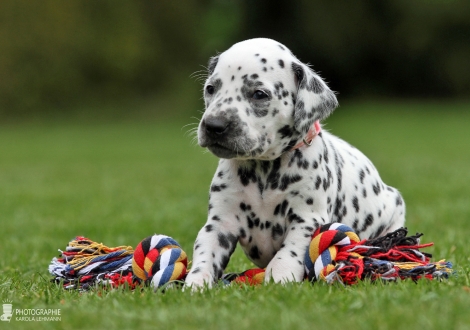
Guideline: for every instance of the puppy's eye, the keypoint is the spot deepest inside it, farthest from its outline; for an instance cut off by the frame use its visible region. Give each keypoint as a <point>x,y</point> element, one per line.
<point>210,89</point>
<point>259,95</point>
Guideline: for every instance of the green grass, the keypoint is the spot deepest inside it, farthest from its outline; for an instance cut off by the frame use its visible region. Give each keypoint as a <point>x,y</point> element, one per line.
<point>122,181</point>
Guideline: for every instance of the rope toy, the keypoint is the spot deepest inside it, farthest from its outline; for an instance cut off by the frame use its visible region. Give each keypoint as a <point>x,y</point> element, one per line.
<point>159,259</point>
<point>335,254</point>
<point>84,263</point>
<point>323,250</point>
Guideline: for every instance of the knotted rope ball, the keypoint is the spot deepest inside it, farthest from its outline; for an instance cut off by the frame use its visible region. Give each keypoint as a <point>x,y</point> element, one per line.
<point>328,240</point>
<point>159,259</point>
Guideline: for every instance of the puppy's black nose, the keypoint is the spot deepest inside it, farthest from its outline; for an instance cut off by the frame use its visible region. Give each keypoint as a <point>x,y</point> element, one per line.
<point>216,125</point>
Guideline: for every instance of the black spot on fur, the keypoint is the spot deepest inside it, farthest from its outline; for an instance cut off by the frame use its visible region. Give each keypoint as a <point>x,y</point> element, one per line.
<point>285,131</point>
<point>318,182</point>
<point>244,207</point>
<point>287,180</point>
<point>209,228</point>
<point>315,86</point>
<point>378,231</point>
<point>355,203</point>
<point>223,241</point>
<point>217,188</point>
<point>277,209</point>
<point>295,218</point>
<point>299,159</point>
<point>281,63</point>
<point>224,261</point>
<point>277,231</point>
<point>265,166</point>
<point>290,145</point>
<point>254,252</point>
<point>247,175</point>
<point>325,154</point>
<point>355,225</point>
<point>284,205</point>
<point>217,271</point>
<point>274,175</point>
<point>309,201</point>
<point>399,200</point>
<point>337,213</point>
<point>249,220</point>
<point>329,178</point>
<point>369,220</point>
<point>376,188</point>
<point>362,174</point>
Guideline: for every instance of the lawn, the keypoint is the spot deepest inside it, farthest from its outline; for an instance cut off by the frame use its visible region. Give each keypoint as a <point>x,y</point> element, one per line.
<point>119,181</point>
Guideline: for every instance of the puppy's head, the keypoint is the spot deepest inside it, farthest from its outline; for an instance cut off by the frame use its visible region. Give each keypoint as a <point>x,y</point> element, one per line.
<point>260,101</point>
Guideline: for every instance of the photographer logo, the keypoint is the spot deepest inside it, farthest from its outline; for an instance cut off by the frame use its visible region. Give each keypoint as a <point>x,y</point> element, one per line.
<point>29,314</point>
<point>7,311</point>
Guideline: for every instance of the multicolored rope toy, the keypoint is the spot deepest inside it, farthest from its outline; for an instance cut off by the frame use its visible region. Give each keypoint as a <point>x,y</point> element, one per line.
<point>323,250</point>
<point>335,254</point>
<point>159,259</point>
<point>85,263</point>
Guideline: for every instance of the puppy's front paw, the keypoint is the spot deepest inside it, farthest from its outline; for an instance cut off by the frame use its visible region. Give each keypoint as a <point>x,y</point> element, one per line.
<point>284,271</point>
<point>198,281</point>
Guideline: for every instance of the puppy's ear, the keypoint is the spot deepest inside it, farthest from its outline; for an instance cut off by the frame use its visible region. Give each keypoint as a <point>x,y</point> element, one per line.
<point>314,101</point>
<point>212,64</point>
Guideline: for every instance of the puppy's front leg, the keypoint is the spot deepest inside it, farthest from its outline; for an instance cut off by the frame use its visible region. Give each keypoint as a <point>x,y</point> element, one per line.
<point>288,263</point>
<point>214,245</point>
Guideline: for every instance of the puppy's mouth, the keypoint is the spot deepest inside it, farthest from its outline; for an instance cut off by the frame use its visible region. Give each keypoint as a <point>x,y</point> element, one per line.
<point>223,151</point>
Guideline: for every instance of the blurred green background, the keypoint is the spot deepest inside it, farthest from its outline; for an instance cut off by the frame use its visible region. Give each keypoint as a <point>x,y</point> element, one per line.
<point>135,58</point>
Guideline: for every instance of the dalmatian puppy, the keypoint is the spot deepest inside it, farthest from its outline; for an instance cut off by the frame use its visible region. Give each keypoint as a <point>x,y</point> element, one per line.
<point>279,176</point>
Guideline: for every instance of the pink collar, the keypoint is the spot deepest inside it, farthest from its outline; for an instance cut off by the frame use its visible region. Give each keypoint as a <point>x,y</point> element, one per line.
<point>312,132</point>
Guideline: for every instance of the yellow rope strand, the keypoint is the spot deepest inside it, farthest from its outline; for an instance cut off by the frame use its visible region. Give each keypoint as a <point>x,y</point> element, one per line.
<point>89,252</point>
